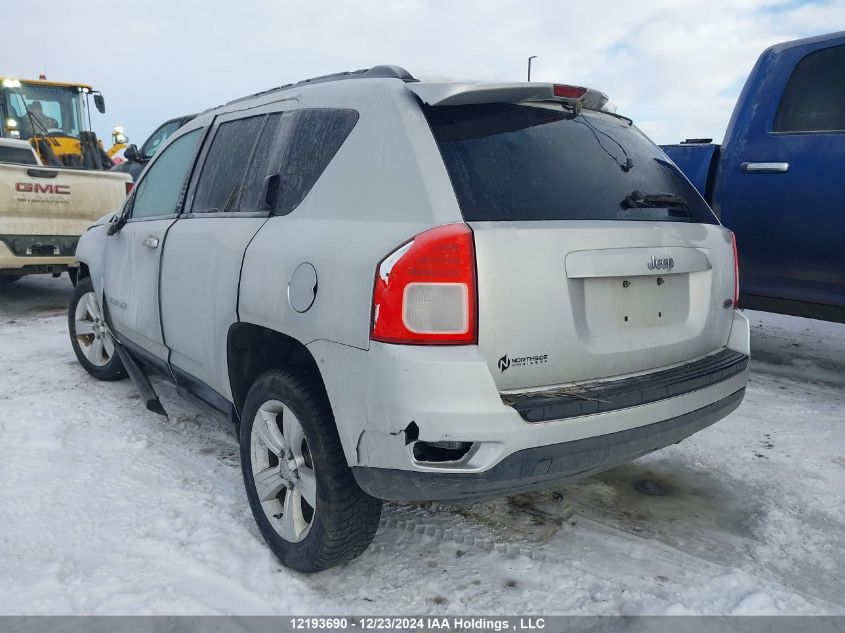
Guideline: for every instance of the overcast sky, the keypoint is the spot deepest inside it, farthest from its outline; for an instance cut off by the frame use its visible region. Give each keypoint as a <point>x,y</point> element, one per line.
<point>675,67</point>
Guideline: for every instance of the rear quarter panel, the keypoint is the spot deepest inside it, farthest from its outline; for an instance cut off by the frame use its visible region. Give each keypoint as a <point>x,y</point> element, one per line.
<point>386,184</point>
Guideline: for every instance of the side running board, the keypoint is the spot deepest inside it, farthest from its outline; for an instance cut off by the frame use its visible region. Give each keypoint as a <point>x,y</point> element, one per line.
<point>142,383</point>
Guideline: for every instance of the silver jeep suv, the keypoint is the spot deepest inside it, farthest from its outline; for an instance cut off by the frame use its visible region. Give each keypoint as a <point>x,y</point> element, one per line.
<point>416,291</point>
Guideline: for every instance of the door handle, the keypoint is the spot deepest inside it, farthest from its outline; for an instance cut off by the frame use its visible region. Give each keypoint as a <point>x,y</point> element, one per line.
<point>765,168</point>
<point>151,242</point>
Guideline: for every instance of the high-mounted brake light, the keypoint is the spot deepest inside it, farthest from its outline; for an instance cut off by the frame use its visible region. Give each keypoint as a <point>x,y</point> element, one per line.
<point>736,272</point>
<point>425,291</point>
<point>569,92</point>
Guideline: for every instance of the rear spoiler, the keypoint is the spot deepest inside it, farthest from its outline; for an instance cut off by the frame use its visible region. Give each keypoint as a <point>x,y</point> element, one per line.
<point>450,94</point>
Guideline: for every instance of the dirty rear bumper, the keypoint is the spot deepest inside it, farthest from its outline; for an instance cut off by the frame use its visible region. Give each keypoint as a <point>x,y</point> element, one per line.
<point>542,466</point>
<point>21,259</point>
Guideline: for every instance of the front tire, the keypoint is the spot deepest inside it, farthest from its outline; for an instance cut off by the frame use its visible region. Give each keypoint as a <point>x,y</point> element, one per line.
<point>90,336</point>
<point>302,493</point>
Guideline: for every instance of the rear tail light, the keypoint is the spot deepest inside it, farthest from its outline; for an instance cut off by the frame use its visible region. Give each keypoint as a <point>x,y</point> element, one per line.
<point>736,272</point>
<point>129,186</point>
<point>569,92</point>
<point>425,291</point>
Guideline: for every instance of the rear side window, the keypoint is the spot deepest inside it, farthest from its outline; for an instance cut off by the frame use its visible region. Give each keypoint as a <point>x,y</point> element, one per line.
<point>292,149</point>
<point>305,143</point>
<point>511,162</point>
<point>276,128</point>
<point>814,98</point>
<point>18,155</point>
<point>159,190</point>
<point>220,184</point>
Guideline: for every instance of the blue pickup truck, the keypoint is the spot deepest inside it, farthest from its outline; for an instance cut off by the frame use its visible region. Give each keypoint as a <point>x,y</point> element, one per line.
<point>778,179</point>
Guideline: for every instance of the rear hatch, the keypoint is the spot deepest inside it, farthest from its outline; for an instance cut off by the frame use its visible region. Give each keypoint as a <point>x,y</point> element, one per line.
<point>595,256</point>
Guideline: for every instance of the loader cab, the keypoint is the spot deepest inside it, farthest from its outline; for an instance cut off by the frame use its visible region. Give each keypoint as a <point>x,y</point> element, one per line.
<point>54,117</point>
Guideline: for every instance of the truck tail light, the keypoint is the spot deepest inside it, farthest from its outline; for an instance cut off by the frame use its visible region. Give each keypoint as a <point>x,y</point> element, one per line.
<point>129,186</point>
<point>736,272</point>
<point>425,291</point>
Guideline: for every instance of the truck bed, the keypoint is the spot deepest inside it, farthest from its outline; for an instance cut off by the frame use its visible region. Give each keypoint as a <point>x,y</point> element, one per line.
<point>44,211</point>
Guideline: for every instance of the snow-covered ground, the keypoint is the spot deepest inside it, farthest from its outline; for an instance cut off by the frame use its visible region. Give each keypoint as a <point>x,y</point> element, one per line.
<point>106,508</point>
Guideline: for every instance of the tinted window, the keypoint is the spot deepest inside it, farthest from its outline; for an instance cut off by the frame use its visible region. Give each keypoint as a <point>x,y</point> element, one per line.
<point>303,144</point>
<point>219,187</point>
<point>19,155</point>
<point>159,191</point>
<point>514,162</point>
<point>314,140</point>
<point>814,99</point>
<point>259,167</point>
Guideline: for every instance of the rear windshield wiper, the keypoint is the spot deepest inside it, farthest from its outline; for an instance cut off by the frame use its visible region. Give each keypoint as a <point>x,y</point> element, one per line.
<point>640,200</point>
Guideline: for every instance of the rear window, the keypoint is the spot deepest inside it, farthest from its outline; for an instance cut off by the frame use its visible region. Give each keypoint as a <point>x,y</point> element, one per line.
<point>512,162</point>
<point>18,155</point>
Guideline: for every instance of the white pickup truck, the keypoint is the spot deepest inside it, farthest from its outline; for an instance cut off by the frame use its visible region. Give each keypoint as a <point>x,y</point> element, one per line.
<point>44,211</point>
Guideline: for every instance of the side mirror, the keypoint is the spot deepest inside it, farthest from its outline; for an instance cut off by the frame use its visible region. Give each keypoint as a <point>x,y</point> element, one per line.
<point>119,219</point>
<point>100,103</point>
<point>116,223</point>
<point>132,153</point>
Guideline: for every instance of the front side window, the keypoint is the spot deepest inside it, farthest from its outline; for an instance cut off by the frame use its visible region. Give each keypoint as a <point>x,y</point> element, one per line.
<point>159,191</point>
<point>814,98</point>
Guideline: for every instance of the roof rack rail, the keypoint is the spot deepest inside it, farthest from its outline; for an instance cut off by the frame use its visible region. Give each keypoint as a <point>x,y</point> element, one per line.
<point>383,71</point>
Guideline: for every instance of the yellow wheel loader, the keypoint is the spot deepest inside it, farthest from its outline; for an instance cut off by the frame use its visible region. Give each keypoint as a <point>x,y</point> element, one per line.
<point>55,118</point>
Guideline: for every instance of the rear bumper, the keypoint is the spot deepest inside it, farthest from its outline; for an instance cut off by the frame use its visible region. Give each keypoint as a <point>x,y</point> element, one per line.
<point>543,466</point>
<point>14,264</point>
<point>600,397</point>
<point>388,399</point>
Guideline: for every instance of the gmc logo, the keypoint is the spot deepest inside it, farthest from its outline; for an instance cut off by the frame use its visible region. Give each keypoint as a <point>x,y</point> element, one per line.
<point>28,187</point>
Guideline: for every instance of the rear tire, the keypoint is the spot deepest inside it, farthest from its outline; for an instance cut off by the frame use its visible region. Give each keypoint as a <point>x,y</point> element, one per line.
<point>89,335</point>
<point>289,443</point>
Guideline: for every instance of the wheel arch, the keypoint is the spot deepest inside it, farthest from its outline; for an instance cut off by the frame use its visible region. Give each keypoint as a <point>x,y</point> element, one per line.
<point>90,253</point>
<point>253,349</point>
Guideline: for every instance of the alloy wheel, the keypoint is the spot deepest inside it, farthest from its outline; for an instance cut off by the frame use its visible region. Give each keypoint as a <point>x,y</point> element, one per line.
<point>92,332</point>
<point>283,472</point>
